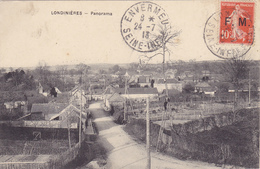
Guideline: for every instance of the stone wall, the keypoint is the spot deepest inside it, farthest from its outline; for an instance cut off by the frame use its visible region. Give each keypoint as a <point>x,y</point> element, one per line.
<point>227,138</point>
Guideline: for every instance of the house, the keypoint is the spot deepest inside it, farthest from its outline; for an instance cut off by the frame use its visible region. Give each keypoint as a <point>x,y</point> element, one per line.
<point>170,73</point>
<point>204,87</point>
<point>205,73</point>
<point>43,89</point>
<point>186,74</point>
<point>109,90</point>
<point>144,81</point>
<point>171,92</point>
<point>62,98</point>
<point>33,116</point>
<point>187,80</point>
<point>76,91</point>
<point>17,106</point>
<point>69,115</point>
<point>95,94</point>
<point>114,99</point>
<point>48,110</point>
<point>78,97</point>
<point>57,90</point>
<point>137,93</point>
<point>54,115</point>
<point>171,84</point>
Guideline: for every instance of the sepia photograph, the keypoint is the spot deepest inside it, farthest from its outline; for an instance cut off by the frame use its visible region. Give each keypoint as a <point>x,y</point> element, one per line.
<point>129,84</point>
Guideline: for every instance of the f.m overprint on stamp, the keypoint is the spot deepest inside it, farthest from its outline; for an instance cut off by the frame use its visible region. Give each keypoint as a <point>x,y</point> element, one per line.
<point>229,33</point>
<point>237,22</point>
<point>141,24</point>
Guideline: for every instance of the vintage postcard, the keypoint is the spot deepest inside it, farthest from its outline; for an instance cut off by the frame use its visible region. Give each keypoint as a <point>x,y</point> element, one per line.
<point>129,84</point>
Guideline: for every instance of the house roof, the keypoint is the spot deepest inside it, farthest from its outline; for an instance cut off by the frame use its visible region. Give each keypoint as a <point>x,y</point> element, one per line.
<point>188,78</point>
<point>70,108</point>
<point>74,88</point>
<point>171,70</point>
<point>137,90</point>
<point>116,98</point>
<point>109,90</point>
<point>61,98</point>
<point>168,81</point>
<point>142,79</point>
<point>48,108</point>
<point>203,85</point>
<point>209,89</point>
<point>131,73</point>
<point>98,91</point>
<point>44,86</point>
<point>171,91</point>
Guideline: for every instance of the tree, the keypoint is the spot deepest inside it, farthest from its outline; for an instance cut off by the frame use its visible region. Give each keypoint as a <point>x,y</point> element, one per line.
<point>188,88</point>
<point>165,37</point>
<point>236,70</point>
<point>134,66</point>
<point>2,70</point>
<point>42,71</point>
<point>102,71</point>
<point>61,72</point>
<point>18,79</point>
<point>222,87</point>
<point>83,69</point>
<point>115,69</point>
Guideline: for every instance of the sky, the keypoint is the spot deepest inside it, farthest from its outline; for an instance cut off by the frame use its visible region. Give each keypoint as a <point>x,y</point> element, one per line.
<point>30,34</point>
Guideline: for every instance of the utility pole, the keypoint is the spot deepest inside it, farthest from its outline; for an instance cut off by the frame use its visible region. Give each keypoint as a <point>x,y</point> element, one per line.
<point>163,67</point>
<point>80,116</point>
<point>125,96</point>
<point>148,135</point>
<point>249,90</point>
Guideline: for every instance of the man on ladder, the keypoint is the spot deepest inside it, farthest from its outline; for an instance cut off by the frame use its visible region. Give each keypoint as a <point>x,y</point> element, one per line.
<point>166,100</point>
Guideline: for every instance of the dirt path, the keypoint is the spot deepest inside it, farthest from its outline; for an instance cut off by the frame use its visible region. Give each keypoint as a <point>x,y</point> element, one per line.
<point>124,152</point>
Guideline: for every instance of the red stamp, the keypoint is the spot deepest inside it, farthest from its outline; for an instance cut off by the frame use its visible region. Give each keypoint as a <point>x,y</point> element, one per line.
<point>237,22</point>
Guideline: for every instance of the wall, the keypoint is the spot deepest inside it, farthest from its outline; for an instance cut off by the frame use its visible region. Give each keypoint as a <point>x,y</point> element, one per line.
<point>227,138</point>
<point>139,96</point>
<point>27,133</point>
<point>161,86</point>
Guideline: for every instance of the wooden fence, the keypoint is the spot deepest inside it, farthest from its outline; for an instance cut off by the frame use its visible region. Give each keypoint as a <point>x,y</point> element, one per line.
<point>178,111</point>
<point>55,162</point>
<point>23,165</point>
<point>64,158</point>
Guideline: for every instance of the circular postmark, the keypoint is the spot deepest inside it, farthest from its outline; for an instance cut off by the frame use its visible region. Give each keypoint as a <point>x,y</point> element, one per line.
<point>141,25</point>
<point>214,37</point>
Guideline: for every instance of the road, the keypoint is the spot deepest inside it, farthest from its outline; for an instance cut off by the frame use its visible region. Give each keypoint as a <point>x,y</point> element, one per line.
<point>124,152</point>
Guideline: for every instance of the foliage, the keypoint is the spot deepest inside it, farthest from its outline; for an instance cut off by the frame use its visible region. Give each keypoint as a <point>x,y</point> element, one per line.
<point>223,86</point>
<point>188,88</point>
<point>115,69</point>
<point>82,68</point>
<point>17,80</point>
<point>236,69</point>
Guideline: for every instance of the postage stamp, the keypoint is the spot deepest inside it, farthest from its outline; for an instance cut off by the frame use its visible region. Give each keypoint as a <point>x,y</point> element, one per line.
<point>229,33</point>
<point>141,24</point>
<point>236,22</point>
